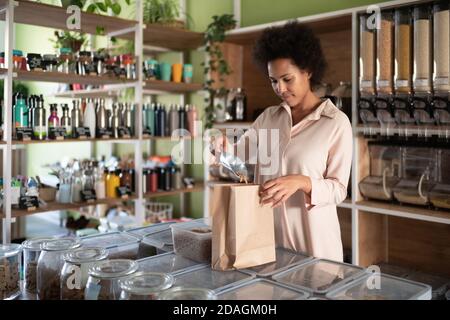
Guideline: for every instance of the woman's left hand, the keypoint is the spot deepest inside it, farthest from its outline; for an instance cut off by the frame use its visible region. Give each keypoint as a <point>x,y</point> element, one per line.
<point>277,191</point>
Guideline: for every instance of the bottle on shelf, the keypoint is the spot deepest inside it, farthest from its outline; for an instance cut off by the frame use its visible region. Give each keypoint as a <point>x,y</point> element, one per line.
<point>182,117</point>
<point>157,132</point>
<point>112,182</point>
<point>53,119</point>
<point>77,119</point>
<point>77,186</point>
<point>20,112</point>
<point>127,117</point>
<point>31,106</point>
<point>240,104</point>
<point>173,119</point>
<point>66,121</point>
<point>89,117</point>
<point>101,117</point>
<point>191,120</point>
<point>99,185</point>
<point>114,121</point>
<point>162,121</point>
<point>39,120</point>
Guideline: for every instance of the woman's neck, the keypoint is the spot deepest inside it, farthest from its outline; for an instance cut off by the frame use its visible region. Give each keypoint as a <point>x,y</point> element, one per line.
<point>309,103</point>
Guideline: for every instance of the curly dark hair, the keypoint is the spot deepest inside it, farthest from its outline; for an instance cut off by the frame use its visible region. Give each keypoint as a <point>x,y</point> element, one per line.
<point>296,42</point>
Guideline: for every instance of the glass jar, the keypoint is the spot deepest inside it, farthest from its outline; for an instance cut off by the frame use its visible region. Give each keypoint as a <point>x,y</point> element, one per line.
<point>10,271</point>
<point>112,183</point>
<point>31,251</point>
<point>385,53</point>
<point>65,60</point>
<point>74,274</point>
<point>145,285</point>
<point>422,49</point>
<point>403,50</point>
<point>441,17</point>
<point>104,276</point>
<point>49,267</point>
<point>179,293</point>
<point>367,56</point>
<point>77,187</point>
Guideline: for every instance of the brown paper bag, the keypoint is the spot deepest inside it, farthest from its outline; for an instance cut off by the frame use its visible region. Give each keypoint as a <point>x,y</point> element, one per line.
<point>242,230</point>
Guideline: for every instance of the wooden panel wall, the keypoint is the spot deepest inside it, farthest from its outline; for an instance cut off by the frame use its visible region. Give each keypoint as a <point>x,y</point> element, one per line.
<point>373,238</point>
<point>345,221</point>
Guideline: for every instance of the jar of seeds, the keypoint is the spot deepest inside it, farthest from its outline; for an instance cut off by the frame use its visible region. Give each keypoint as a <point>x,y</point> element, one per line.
<point>31,251</point>
<point>9,271</point>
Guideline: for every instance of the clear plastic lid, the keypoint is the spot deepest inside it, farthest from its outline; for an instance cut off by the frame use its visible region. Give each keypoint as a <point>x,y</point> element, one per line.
<point>113,268</point>
<point>86,254</point>
<point>143,283</point>
<point>188,294</point>
<point>141,232</point>
<point>194,224</point>
<point>438,284</point>
<point>386,287</point>
<point>109,240</point>
<point>9,250</point>
<point>262,289</point>
<point>159,239</point>
<point>35,244</point>
<point>211,279</point>
<point>167,262</point>
<point>61,244</point>
<point>319,275</point>
<point>285,259</point>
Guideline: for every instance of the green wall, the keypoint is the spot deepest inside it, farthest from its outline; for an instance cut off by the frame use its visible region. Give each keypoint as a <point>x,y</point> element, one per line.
<point>255,12</point>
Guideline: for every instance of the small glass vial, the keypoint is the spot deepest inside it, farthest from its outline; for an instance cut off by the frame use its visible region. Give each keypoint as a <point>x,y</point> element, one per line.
<point>74,274</point>
<point>10,265</point>
<point>31,251</point>
<point>103,282</point>
<point>49,267</point>
<point>179,293</point>
<point>145,285</point>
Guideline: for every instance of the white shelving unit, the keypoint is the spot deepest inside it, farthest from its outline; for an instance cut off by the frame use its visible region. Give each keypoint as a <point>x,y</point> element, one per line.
<point>38,14</point>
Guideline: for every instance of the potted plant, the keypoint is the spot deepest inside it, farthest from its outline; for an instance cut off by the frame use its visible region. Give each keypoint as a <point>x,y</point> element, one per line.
<point>214,36</point>
<point>163,12</point>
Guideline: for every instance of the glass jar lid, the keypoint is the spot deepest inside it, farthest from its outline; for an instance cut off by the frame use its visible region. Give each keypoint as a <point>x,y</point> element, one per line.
<point>35,244</point>
<point>115,268</point>
<point>86,254</point>
<point>9,250</point>
<point>179,293</point>
<point>143,283</point>
<point>61,244</point>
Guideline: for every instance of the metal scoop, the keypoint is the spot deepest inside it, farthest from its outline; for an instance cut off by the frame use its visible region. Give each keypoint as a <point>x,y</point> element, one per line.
<point>234,164</point>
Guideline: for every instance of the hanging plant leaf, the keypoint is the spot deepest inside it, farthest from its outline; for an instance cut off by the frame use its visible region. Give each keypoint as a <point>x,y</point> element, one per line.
<point>116,8</point>
<point>101,6</point>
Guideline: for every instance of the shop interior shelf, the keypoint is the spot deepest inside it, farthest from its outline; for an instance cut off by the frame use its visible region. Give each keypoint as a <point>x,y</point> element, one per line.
<point>118,140</point>
<point>55,17</point>
<point>176,39</point>
<point>412,130</point>
<point>199,186</point>
<point>156,86</point>
<point>54,206</point>
<point>406,211</point>
<point>60,77</point>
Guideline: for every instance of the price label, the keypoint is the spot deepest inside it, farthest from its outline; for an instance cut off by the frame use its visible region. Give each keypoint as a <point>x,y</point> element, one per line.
<point>124,132</point>
<point>24,134</point>
<point>57,133</point>
<point>29,203</point>
<point>82,133</point>
<point>88,195</point>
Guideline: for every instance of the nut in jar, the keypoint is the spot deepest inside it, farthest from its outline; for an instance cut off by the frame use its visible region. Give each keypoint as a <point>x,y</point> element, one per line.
<point>9,271</point>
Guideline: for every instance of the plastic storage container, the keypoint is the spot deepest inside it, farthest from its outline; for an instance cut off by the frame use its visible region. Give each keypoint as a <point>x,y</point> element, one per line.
<point>439,285</point>
<point>104,276</point>
<point>441,39</point>
<point>179,293</point>
<point>319,276</point>
<point>390,288</point>
<point>145,285</point>
<point>31,251</point>
<point>367,53</point>
<point>49,267</point>
<point>440,193</point>
<point>211,279</point>
<point>146,250</point>
<point>419,173</point>
<point>10,266</point>
<point>403,51</point>
<point>385,54</point>
<point>161,241</point>
<point>262,289</point>
<point>74,274</point>
<point>169,263</point>
<point>384,172</point>
<point>423,46</point>
<point>394,270</point>
<point>285,259</point>
<point>193,239</point>
<point>120,245</point>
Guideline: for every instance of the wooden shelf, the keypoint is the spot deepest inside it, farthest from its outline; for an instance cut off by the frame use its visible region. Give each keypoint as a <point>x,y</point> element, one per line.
<point>199,186</point>
<point>130,140</point>
<point>172,38</point>
<point>167,138</point>
<point>157,86</point>
<point>44,15</point>
<point>54,206</point>
<point>404,211</point>
<point>248,35</point>
<point>111,91</point>
<point>60,77</point>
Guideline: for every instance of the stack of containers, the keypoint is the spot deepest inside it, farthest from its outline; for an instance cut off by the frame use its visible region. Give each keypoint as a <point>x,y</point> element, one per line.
<point>146,249</point>
<point>119,245</point>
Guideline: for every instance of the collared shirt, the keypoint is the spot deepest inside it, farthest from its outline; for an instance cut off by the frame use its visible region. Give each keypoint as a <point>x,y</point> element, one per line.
<point>320,147</point>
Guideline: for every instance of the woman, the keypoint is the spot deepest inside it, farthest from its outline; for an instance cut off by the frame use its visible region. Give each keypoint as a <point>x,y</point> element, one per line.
<point>315,144</point>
